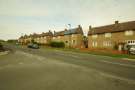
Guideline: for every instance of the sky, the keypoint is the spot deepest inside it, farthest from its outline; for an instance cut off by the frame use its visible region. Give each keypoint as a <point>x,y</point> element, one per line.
<point>20,17</point>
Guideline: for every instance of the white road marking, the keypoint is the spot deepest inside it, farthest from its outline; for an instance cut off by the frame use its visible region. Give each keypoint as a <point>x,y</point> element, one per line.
<point>118,78</point>
<point>75,56</point>
<point>115,63</point>
<point>128,59</point>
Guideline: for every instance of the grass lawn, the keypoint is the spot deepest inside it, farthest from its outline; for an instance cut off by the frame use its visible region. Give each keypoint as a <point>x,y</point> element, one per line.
<point>106,53</point>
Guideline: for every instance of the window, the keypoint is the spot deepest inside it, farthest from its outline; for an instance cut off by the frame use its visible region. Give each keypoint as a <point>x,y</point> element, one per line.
<point>94,36</point>
<point>108,34</point>
<point>107,43</point>
<point>59,37</point>
<point>131,41</point>
<point>73,35</point>
<point>44,37</point>
<point>66,41</point>
<point>54,37</point>
<point>73,41</point>
<point>94,44</point>
<point>129,33</point>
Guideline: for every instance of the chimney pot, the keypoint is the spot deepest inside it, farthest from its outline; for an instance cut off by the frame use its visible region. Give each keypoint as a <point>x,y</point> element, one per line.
<point>116,22</point>
<point>90,27</point>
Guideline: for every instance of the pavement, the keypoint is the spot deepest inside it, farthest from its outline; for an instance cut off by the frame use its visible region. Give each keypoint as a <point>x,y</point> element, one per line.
<point>50,69</point>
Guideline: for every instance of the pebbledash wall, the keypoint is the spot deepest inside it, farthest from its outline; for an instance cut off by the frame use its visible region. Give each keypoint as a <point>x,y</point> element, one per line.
<point>113,35</point>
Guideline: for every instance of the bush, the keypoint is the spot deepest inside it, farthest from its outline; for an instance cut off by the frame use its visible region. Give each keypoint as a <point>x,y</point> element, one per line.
<point>12,41</point>
<point>115,47</point>
<point>1,47</point>
<point>57,44</point>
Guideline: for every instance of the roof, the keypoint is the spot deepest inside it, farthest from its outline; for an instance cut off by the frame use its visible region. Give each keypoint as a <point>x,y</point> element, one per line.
<point>46,34</point>
<point>59,33</point>
<point>117,27</point>
<point>77,30</point>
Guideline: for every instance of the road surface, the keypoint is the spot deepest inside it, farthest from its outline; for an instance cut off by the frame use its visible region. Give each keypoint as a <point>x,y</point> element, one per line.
<point>48,69</point>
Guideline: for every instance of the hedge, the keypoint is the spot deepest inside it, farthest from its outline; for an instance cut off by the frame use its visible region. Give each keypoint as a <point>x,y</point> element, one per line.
<point>1,47</point>
<point>57,44</point>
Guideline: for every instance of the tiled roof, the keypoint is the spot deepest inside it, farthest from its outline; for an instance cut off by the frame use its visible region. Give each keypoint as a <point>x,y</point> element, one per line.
<point>60,33</point>
<point>77,30</point>
<point>118,27</point>
<point>47,34</point>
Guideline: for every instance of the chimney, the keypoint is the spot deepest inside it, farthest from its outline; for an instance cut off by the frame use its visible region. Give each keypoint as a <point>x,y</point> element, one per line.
<point>54,32</point>
<point>116,22</point>
<point>90,27</point>
<point>79,26</point>
<point>65,30</point>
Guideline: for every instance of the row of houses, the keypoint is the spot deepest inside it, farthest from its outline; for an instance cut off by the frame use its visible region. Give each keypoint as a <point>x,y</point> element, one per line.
<point>112,36</point>
<point>103,37</point>
<point>71,37</point>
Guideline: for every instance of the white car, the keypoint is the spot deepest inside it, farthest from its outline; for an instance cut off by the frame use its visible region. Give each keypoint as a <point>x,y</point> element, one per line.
<point>132,50</point>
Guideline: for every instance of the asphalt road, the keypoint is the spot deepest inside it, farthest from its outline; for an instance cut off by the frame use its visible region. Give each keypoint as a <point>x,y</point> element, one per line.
<point>48,69</point>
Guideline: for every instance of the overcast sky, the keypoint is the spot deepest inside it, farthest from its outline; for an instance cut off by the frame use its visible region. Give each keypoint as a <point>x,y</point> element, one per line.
<point>19,17</point>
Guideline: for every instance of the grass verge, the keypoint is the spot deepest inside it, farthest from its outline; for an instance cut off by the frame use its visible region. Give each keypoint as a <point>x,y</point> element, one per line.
<point>94,52</point>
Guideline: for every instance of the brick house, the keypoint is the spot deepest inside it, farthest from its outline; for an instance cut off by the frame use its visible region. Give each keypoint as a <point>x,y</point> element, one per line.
<point>74,37</point>
<point>112,35</point>
<point>24,39</point>
<point>43,38</point>
<point>21,40</point>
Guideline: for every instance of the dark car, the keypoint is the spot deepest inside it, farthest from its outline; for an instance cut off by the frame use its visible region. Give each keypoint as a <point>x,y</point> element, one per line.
<point>34,46</point>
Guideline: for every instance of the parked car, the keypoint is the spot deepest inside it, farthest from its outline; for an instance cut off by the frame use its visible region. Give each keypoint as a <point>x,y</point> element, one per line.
<point>132,49</point>
<point>34,46</point>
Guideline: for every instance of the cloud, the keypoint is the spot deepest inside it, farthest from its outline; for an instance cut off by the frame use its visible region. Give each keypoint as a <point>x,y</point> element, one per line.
<point>28,16</point>
<point>21,8</point>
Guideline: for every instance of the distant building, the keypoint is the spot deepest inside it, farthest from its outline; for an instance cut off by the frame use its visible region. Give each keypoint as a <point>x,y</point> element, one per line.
<point>58,36</point>
<point>112,35</point>
<point>43,38</point>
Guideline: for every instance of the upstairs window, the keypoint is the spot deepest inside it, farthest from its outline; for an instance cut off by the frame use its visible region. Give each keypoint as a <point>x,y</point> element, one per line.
<point>108,35</point>
<point>59,37</point>
<point>94,36</point>
<point>73,35</point>
<point>54,37</point>
<point>129,33</point>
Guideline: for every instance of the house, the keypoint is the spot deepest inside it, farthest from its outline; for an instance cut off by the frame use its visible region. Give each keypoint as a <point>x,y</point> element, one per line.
<point>59,36</point>
<point>21,40</point>
<point>43,38</point>
<point>112,36</point>
<point>74,37</point>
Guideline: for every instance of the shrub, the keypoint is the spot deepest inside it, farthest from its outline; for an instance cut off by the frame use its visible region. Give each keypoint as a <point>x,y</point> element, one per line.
<point>12,41</point>
<point>57,44</point>
<point>1,47</point>
<point>115,47</point>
